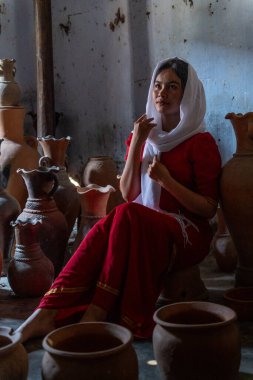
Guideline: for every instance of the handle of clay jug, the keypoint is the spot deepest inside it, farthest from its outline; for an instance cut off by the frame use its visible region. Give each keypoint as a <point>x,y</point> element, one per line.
<point>56,184</point>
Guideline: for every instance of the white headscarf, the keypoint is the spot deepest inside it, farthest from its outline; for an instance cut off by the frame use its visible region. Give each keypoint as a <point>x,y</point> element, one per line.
<point>192,112</point>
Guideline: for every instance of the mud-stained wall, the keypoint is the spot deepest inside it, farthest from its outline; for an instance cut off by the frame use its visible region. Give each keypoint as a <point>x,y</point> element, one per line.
<point>104,53</point>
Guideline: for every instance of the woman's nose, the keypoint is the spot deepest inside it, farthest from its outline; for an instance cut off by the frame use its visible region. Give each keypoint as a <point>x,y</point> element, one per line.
<point>163,91</point>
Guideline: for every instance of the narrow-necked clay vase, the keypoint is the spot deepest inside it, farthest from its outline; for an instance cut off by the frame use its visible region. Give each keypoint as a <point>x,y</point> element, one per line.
<point>10,93</point>
<point>13,356</point>
<point>91,350</point>
<point>236,189</point>
<point>197,340</point>
<point>65,196</point>
<point>30,272</point>
<point>53,233</point>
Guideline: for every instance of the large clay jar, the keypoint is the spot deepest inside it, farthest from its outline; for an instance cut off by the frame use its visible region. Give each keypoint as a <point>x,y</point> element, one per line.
<point>9,210</point>
<point>102,171</point>
<point>92,350</point>
<point>197,340</point>
<point>94,200</point>
<point>65,196</point>
<point>222,246</point>
<point>236,188</point>
<point>10,92</point>
<point>13,356</point>
<point>30,272</point>
<point>17,151</point>
<point>53,232</point>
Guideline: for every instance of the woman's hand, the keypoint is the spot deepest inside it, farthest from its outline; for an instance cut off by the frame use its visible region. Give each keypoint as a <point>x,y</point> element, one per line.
<point>142,128</point>
<point>158,172</point>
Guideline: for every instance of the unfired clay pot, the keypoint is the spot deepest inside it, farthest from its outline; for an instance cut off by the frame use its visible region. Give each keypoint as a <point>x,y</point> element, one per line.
<point>236,188</point>
<point>197,340</point>
<point>13,356</point>
<point>10,92</point>
<point>90,350</point>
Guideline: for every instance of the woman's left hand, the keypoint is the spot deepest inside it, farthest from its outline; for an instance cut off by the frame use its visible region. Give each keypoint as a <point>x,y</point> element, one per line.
<point>157,171</point>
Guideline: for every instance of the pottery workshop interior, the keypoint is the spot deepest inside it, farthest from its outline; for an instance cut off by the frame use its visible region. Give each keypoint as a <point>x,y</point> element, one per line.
<point>77,77</point>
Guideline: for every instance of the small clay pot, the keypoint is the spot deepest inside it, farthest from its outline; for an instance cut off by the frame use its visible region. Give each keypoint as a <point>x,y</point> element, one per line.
<point>93,350</point>
<point>241,301</point>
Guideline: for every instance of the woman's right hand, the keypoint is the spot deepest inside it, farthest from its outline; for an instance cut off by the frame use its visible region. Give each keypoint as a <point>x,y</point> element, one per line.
<point>142,128</point>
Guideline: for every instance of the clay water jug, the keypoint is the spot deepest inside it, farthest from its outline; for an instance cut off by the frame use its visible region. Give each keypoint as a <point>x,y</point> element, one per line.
<point>102,170</point>
<point>236,189</point>
<point>53,232</point>
<point>90,350</point>
<point>65,196</point>
<point>10,93</point>
<point>197,340</point>
<point>94,200</point>
<point>13,356</point>
<point>30,272</point>
<point>16,151</point>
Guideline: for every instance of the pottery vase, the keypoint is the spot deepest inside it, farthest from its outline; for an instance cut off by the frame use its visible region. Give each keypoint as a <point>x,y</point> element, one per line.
<point>91,350</point>
<point>16,151</point>
<point>236,189</point>
<point>9,210</point>
<point>222,246</point>
<point>65,196</point>
<point>13,356</point>
<point>93,199</point>
<point>10,93</point>
<point>53,232</point>
<point>30,272</point>
<point>102,171</point>
<point>197,340</point>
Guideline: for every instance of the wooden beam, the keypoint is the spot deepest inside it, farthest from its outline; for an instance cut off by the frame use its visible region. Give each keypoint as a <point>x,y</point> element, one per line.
<point>45,72</point>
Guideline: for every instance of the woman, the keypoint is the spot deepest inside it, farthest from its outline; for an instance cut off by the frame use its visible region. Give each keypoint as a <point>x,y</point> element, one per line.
<point>170,183</point>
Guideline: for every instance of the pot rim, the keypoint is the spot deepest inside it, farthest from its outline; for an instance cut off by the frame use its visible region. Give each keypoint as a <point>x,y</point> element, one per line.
<point>228,295</point>
<point>13,336</point>
<point>104,325</point>
<point>197,305</point>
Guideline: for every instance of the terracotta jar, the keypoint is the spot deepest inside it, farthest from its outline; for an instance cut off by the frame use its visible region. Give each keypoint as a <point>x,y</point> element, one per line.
<point>65,196</point>
<point>94,200</point>
<point>13,356</point>
<point>102,171</point>
<point>53,232</point>
<point>197,340</point>
<point>30,272</point>
<point>236,189</point>
<point>91,350</point>
<point>10,93</point>
<point>17,151</point>
<point>222,246</point>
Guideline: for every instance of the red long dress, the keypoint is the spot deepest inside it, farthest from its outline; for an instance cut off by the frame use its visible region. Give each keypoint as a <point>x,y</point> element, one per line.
<point>122,262</point>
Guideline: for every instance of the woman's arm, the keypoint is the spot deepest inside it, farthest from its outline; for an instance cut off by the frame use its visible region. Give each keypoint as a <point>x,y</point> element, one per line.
<point>192,201</point>
<point>130,181</point>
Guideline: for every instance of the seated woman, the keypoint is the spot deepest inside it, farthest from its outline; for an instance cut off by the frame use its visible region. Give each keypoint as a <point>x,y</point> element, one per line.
<point>170,183</point>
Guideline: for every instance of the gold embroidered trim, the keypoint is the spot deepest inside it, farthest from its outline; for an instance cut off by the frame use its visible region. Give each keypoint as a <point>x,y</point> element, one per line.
<point>65,290</point>
<point>108,288</point>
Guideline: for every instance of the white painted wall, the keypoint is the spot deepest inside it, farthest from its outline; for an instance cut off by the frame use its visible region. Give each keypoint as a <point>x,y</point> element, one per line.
<point>102,76</point>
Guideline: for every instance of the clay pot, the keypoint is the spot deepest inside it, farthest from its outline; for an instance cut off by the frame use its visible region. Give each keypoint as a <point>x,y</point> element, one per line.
<point>241,301</point>
<point>13,356</point>
<point>102,171</point>
<point>94,199</point>
<point>65,196</point>
<point>196,340</point>
<point>93,350</point>
<point>53,232</point>
<point>236,189</point>
<point>30,272</point>
<point>17,151</point>
<point>222,246</point>
<point>10,93</point>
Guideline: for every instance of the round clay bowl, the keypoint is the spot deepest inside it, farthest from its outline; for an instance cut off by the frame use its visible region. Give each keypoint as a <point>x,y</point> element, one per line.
<point>241,301</point>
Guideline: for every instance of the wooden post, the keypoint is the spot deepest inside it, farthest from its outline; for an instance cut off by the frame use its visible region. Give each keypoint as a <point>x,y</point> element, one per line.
<point>45,72</point>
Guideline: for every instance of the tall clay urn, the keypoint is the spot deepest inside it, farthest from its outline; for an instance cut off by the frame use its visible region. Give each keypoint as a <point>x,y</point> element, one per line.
<point>65,196</point>
<point>90,350</point>
<point>197,340</point>
<point>30,272</point>
<point>13,356</point>
<point>236,189</point>
<point>10,92</point>
<point>53,232</point>
<point>102,170</point>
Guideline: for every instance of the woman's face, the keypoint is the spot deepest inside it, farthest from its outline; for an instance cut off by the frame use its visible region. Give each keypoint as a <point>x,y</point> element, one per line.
<point>167,92</point>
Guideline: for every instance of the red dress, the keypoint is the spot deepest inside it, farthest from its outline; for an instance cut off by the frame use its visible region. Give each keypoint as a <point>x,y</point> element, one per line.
<point>122,262</point>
